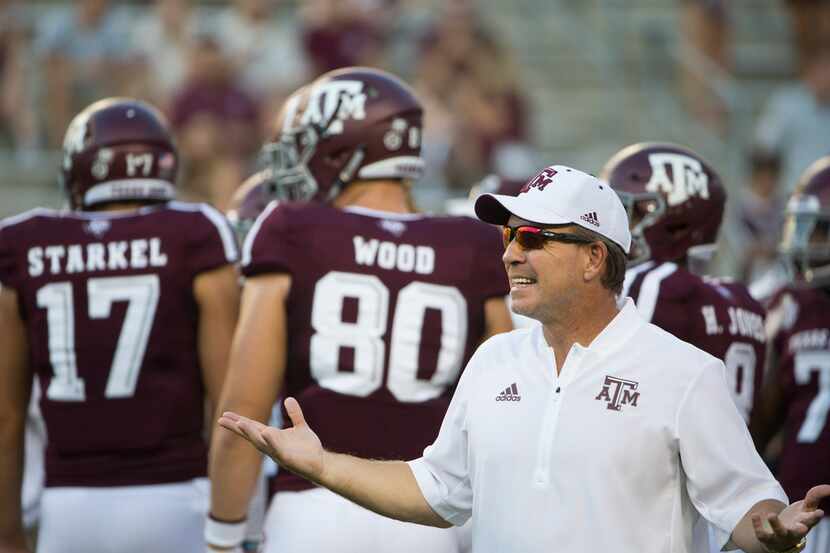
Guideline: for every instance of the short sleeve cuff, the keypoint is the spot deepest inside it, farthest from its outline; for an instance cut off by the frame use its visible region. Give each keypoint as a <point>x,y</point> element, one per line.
<point>740,507</point>
<point>431,490</point>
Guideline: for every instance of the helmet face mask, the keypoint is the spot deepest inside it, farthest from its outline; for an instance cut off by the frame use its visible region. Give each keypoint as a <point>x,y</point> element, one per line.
<point>350,124</point>
<point>643,209</point>
<point>805,242</point>
<point>288,160</point>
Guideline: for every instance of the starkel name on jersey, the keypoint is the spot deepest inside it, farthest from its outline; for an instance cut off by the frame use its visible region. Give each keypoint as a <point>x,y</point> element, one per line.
<point>389,255</point>
<point>689,178</point>
<point>96,256</point>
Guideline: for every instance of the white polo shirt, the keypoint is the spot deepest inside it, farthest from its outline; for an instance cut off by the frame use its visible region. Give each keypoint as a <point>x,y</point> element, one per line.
<point>636,436</point>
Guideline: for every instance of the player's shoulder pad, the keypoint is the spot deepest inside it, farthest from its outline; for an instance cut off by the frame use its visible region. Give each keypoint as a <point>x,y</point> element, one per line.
<point>209,223</point>
<point>468,229</point>
<point>675,282</point>
<point>26,216</point>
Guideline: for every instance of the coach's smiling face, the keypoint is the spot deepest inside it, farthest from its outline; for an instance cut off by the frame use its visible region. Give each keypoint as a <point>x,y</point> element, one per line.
<point>543,281</point>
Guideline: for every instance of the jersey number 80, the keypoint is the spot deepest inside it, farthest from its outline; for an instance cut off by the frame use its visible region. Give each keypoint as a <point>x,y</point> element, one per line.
<point>365,336</point>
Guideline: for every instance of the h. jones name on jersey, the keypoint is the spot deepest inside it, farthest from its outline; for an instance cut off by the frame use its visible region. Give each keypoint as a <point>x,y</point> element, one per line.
<point>96,256</point>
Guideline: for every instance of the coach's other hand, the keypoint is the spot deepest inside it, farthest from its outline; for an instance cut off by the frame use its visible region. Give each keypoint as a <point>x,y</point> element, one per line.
<point>782,531</point>
<point>297,449</point>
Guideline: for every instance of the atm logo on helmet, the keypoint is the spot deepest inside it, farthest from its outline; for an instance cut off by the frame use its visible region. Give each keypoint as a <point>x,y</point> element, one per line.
<point>330,104</point>
<point>618,392</point>
<point>687,180</point>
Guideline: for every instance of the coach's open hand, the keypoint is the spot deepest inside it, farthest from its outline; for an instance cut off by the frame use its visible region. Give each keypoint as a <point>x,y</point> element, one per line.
<point>297,449</point>
<point>786,529</point>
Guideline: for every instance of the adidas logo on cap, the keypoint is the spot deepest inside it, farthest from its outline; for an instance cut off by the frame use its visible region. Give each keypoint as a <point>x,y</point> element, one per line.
<point>591,218</point>
<point>511,393</point>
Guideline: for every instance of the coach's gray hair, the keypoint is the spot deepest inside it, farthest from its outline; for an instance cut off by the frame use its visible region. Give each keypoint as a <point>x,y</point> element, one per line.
<point>615,263</point>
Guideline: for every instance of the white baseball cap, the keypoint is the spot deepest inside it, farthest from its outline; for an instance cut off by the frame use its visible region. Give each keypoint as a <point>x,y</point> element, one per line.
<point>560,195</point>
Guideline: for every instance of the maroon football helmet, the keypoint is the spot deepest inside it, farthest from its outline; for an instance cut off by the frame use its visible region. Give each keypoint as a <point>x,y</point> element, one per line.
<point>350,124</point>
<point>805,242</point>
<point>118,149</point>
<point>674,199</point>
<point>251,199</point>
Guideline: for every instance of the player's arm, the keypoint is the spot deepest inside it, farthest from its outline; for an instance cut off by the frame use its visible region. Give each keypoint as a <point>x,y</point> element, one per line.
<point>217,294</point>
<point>388,488</point>
<point>255,375</point>
<point>497,317</point>
<point>768,414</point>
<point>15,387</point>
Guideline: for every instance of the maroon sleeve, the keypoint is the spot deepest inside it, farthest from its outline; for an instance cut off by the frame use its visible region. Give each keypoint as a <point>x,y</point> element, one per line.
<point>490,277</point>
<point>8,267</point>
<point>777,319</point>
<point>268,245</point>
<point>212,241</point>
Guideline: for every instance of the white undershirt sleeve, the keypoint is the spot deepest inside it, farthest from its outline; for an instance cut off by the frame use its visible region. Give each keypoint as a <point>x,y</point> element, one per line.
<point>443,472</point>
<point>725,475</point>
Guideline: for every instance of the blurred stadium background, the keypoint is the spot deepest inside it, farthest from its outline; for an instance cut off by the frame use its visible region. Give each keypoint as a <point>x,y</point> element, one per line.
<point>509,86</point>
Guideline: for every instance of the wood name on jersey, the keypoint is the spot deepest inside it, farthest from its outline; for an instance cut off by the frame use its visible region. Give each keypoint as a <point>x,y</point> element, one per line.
<point>389,255</point>
<point>96,256</point>
<point>742,322</point>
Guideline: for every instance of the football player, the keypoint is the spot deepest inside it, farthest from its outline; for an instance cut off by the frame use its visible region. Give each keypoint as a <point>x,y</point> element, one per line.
<point>675,202</point>
<point>250,200</point>
<point>357,305</point>
<point>796,392</point>
<point>123,307</point>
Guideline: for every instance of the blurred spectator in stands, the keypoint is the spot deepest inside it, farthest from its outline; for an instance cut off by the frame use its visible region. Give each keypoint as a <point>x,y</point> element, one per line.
<point>161,40</point>
<point>265,48</point>
<point>810,27</point>
<point>795,124</point>
<point>756,219</point>
<point>472,80</point>
<point>706,32</point>
<point>18,121</point>
<point>86,58</point>
<point>341,33</point>
<point>217,123</point>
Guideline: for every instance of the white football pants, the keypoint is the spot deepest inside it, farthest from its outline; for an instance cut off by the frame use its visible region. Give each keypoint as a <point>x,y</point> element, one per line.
<point>162,518</point>
<point>320,521</point>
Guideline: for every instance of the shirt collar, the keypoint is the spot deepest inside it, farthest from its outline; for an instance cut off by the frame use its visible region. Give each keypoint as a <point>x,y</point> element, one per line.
<point>615,334</point>
<point>627,321</point>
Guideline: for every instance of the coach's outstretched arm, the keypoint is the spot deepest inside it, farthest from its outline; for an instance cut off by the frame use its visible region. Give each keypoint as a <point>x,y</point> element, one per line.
<point>386,487</point>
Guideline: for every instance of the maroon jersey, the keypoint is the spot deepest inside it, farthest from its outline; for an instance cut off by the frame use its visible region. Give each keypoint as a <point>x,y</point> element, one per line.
<point>718,316</point>
<point>799,329</point>
<point>383,312</point>
<point>112,327</point>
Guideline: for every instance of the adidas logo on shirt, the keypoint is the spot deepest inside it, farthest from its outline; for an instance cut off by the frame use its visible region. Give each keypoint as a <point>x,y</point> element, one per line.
<point>591,218</point>
<point>511,393</point>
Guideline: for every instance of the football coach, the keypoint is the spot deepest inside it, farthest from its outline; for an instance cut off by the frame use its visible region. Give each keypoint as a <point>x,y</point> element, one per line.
<point>593,431</point>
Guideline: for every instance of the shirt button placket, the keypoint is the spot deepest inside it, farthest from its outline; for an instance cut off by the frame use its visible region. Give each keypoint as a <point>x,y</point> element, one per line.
<point>541,476</point>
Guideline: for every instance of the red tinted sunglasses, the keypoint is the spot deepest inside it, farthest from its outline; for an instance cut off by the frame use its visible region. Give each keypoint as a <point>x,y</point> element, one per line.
<point>534,238</point>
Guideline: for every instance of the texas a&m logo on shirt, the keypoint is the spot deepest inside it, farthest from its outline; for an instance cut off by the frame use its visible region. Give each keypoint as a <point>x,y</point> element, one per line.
<point>619,392</point>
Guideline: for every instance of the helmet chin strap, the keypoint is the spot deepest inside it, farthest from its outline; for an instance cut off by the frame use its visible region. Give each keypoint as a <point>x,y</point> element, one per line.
<point>346,175</point>
<point>643,250</point>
